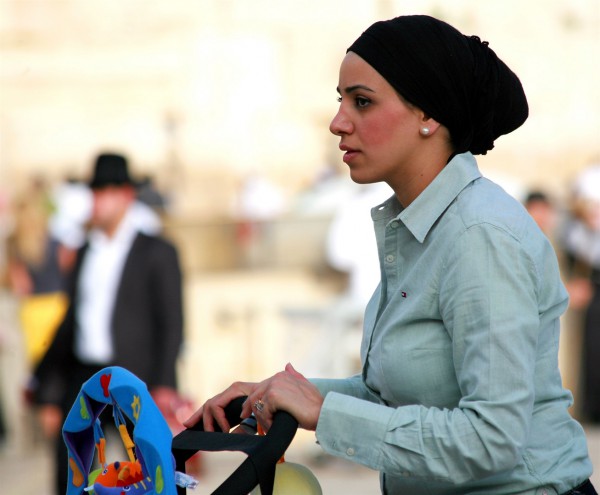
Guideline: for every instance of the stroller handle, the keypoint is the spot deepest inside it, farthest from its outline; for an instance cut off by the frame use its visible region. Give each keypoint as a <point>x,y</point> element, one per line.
<point>264,451</point>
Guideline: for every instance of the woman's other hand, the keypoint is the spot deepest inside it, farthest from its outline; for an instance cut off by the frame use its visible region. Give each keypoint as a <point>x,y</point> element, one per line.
<point>287,391</point>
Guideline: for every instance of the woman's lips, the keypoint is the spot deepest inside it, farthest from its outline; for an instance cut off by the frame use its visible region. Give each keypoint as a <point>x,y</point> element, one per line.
<point>349,154</point>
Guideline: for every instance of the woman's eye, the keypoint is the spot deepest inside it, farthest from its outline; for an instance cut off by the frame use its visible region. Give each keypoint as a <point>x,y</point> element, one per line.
<point>359,101</point>
<point>362,102</point>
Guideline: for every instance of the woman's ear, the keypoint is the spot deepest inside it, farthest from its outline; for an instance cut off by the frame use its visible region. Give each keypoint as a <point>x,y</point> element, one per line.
<point>429,125</point>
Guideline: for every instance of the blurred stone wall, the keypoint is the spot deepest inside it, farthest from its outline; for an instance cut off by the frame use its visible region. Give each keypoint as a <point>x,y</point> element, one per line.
<point>201,93</point>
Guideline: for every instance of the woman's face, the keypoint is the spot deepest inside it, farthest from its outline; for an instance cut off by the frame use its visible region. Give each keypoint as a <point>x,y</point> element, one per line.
<point>379,131</point>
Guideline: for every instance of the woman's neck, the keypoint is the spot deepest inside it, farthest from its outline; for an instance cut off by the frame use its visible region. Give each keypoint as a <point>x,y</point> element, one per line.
<point>426,170</point>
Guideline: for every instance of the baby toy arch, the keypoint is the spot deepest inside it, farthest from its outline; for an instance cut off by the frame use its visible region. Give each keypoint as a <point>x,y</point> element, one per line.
<point>152,437</point>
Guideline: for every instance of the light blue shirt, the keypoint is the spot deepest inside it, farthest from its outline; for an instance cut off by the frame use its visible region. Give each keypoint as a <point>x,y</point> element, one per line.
<point>460,391</point>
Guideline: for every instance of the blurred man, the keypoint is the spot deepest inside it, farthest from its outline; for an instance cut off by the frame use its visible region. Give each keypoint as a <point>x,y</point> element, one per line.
<point>125,307</point>
<point>582,246</point>
<point>540,207</point>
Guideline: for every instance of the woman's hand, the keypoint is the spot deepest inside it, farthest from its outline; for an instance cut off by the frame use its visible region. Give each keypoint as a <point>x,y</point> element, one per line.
<point>213,410</point>
<point>286,391</point>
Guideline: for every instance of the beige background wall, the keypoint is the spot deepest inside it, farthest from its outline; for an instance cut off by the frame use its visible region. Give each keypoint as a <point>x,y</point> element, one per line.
<point>201,92</point>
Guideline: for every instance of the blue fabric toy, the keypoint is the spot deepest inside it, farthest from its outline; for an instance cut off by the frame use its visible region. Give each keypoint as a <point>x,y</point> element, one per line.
<point>151,445</point>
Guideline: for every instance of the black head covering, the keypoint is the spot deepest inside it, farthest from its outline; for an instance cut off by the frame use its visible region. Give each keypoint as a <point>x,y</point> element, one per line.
<point>110,169</point>
<point>456,79</point>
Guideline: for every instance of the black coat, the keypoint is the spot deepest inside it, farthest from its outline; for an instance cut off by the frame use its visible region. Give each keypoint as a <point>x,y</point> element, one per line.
<point>147,322</point>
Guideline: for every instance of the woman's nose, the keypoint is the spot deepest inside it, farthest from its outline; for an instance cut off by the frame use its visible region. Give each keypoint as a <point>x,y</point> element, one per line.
<point>340,124</point>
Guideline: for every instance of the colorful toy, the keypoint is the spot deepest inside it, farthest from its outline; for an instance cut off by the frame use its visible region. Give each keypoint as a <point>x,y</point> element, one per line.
<point>118,478</point>
<point>120,473</point>
<point>150,469</point>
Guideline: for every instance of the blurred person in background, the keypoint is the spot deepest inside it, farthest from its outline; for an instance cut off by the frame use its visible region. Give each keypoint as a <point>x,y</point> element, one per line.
<point>125,307</point>
<point>259,203</point>
<point>5,304</point>
<point>72,200</point>
<point>34,276</point>
<point>542,210</point>
<point>551,218</point>
<point>581,243</point>
<point>37,267</point>
<point>351,249</point>
<point>35,301</point>
<point>460,390</point>
<point>149,195</point>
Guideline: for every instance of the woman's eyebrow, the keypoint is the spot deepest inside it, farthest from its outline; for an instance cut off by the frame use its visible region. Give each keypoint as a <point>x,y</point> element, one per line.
<point>356,87</point>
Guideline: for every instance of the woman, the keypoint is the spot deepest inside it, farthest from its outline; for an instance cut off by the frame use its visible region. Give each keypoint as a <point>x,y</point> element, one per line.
<point>460,390</point>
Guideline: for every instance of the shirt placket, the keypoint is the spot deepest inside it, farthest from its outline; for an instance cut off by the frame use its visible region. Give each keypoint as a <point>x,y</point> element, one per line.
<point>389,280</point>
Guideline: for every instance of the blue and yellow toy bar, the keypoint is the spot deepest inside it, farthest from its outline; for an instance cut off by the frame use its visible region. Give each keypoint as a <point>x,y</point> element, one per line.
<point>149,450</point>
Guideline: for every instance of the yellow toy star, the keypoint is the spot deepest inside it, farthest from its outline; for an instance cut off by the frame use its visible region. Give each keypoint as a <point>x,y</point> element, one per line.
<point>136,407</point>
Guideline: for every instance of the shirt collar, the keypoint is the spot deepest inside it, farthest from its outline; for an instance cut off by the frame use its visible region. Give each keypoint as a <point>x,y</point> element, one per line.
<point>424,211</point>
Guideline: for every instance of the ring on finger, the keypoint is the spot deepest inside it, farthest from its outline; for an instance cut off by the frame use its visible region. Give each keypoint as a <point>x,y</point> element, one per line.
<point>259,405</point>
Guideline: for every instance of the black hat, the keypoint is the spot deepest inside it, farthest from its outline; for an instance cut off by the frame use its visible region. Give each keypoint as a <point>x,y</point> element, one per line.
<point>456,79</point>
<point>110,170</point>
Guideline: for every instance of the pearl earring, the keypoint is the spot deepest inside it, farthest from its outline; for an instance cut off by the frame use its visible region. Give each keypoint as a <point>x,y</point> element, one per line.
<point>425,131</point>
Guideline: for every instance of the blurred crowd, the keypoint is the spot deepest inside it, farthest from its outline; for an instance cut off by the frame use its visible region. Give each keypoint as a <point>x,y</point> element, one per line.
<point>574,229</point>
<point>43,226</point>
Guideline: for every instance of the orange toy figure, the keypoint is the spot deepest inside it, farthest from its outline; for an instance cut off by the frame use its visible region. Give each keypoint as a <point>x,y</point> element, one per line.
<point>120,477</point>
<point>120,473</point>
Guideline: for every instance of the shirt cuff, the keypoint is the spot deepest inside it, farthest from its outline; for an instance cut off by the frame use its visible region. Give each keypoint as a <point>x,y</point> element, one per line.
<point>351,428</point>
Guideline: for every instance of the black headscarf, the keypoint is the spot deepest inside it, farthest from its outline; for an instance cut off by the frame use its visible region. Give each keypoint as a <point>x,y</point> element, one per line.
<point>456,79</point>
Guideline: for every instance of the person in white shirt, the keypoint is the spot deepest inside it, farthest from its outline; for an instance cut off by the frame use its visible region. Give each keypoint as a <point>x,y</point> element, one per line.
<point>125,306</point>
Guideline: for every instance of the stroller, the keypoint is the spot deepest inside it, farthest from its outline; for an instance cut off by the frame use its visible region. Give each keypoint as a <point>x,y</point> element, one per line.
<point>157,460</point>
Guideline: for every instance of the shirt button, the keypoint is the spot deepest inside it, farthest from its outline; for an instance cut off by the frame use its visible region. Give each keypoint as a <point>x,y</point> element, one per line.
<point>390,258</point>
<point>394,225</point>
<point>350,451</point>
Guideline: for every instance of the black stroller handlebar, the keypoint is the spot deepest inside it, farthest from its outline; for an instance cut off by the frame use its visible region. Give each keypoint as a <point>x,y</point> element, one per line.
<point>264,451</point>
